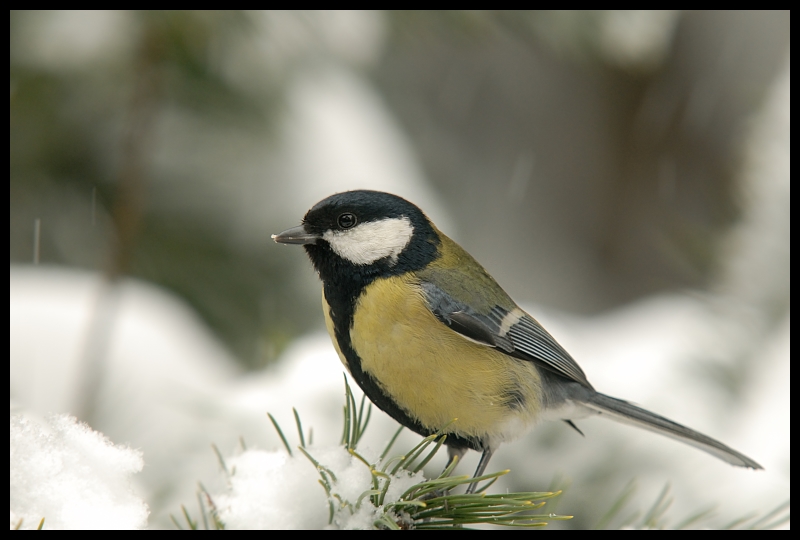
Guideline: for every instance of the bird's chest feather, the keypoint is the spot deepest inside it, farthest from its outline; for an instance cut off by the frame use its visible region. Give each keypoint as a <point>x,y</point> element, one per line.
<point>431,371</point>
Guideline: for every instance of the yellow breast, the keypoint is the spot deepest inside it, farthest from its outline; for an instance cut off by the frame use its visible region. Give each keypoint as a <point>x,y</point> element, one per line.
<point>434,373</point>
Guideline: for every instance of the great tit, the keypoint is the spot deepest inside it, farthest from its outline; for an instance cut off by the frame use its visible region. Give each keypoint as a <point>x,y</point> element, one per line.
<point>430,336</point>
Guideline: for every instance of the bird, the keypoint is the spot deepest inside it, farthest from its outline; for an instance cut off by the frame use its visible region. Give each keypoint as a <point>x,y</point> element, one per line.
<point>436,343</point>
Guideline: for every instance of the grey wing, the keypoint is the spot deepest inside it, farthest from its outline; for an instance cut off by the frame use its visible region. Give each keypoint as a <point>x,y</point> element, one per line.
<point>513,332</point>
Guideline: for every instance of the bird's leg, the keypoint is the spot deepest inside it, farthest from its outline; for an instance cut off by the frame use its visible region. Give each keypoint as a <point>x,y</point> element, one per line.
<point>485,457</point>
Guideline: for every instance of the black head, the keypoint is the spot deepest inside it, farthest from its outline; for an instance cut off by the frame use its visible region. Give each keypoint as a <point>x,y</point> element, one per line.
<point>364,234</point>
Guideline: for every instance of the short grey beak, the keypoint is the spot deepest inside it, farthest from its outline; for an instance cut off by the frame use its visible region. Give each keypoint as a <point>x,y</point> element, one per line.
<point>295,235</point>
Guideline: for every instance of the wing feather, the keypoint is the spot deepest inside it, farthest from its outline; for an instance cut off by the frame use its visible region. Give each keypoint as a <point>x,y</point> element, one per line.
<point>513,332</point>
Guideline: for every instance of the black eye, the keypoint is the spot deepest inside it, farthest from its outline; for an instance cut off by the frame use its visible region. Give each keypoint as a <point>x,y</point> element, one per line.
<point>347,220</point>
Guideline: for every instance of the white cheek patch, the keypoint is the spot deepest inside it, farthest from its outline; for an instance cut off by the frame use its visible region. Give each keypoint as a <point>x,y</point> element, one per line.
<point>368,242</point>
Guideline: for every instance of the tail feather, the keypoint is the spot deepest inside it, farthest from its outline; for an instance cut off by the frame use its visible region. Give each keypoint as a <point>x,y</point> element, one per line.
<point>627,413</point>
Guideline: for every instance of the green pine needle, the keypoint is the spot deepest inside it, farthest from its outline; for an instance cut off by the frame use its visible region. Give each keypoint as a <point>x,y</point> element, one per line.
<point>431,504</point>
<point>280,433</point>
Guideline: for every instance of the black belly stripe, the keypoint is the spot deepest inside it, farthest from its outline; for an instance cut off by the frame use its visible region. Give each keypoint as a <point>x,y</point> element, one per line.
<point>341,313</point>
<point>343,283</point>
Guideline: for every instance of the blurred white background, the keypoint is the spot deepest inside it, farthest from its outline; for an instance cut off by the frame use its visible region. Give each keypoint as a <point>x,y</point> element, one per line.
<point>624,175</point>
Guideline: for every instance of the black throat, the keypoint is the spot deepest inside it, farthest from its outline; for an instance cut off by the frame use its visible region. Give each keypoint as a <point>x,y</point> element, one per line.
<point>343,283</point>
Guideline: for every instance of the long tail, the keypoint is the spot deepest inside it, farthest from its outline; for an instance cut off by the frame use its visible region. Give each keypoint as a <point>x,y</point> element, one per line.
<point>627,413</point>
